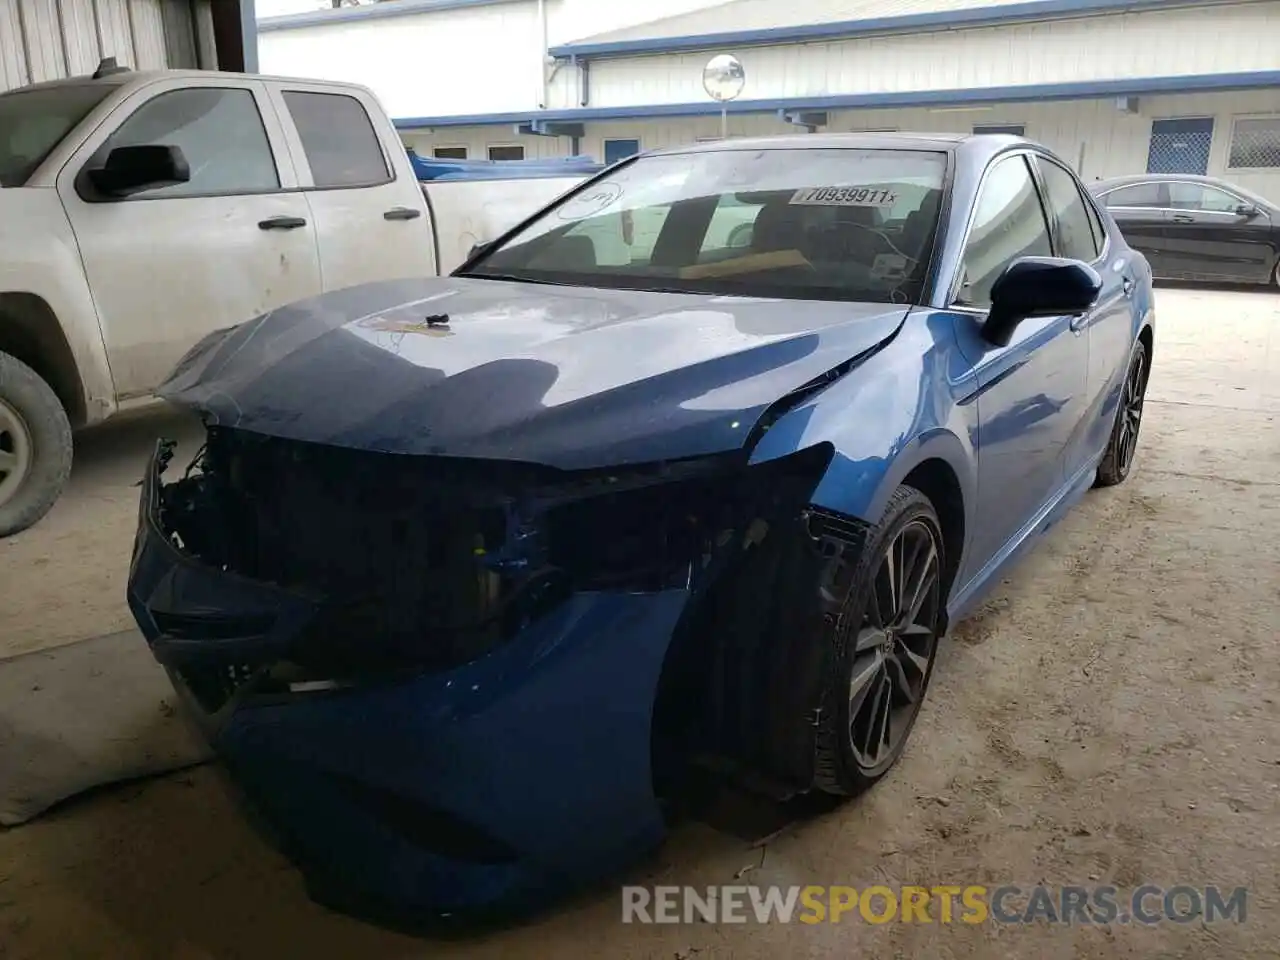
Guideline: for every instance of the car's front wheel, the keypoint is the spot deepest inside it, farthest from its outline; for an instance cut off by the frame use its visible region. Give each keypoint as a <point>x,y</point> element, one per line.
<point>885,639</point>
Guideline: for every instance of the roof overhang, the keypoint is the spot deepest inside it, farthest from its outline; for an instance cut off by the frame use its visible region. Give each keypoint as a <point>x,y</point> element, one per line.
<point>1024,93</point>
<point>374,11</point>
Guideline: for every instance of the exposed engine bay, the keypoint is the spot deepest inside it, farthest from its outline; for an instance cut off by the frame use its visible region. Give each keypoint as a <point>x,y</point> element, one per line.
<point>416,564</point>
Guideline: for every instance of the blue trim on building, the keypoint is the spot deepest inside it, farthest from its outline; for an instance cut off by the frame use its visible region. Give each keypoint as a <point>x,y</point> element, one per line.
<point>435,169</point>
<point>1077,90</point>
<point>845,29</point>
<point>375,11</point>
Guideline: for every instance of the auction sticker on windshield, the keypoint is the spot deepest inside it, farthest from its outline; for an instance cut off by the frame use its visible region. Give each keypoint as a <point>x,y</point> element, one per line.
<point>844,197</point>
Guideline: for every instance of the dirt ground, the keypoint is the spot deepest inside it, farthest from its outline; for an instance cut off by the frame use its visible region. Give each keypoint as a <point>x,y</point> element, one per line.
<point>1112,715</point>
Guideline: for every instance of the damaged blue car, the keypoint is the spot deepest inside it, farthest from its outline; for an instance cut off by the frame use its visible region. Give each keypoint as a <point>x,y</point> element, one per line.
<point>689,471</point>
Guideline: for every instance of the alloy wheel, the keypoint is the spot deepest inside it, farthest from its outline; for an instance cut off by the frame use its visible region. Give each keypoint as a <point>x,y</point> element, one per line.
<point>15,451</point>
<point>1131,400</point>
<point>894,647</point>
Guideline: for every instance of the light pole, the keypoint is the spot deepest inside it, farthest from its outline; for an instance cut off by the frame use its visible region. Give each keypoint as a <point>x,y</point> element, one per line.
<point>723,78</point>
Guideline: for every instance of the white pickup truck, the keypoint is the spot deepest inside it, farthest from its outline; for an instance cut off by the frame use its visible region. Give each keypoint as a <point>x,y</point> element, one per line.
<point>141,211</point>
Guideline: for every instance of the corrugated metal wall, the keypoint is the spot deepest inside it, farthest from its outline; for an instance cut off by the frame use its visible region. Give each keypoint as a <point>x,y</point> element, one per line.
<point>49,39</point>
<point>1148,44</point>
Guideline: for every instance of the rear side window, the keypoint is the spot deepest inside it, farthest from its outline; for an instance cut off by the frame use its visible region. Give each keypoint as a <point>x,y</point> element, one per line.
<point>1067,206</point>
<point>341,146</point>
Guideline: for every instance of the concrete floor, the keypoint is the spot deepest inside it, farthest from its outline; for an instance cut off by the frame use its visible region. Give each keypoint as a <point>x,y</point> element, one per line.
<point>1112,715</point>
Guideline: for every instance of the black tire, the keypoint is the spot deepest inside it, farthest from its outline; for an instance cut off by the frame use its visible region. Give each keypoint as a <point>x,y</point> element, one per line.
<point>33,422</point>
<point>1123,442</point>
<point>910,522</point>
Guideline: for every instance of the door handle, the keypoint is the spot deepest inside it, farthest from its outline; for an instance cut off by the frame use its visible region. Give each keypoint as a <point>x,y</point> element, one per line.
<point>402,213</point>
<point>1182,218</point>
<point>281,223</point>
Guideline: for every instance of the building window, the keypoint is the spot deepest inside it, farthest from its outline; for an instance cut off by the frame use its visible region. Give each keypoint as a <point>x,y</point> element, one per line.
<point>615,150</point>
<point>1255,143</point>
<point>1180,145</point>
<point>1012,129</point>
<point>506,152</point>
<point>449,153</point>
<point>338,139</point>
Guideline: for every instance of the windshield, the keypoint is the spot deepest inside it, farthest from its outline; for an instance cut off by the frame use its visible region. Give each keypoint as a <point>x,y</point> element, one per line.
<point>819,224</point>
<point>33,122</point>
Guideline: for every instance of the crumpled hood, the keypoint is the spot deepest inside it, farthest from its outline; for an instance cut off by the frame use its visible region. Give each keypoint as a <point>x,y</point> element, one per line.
<point>569,377</point>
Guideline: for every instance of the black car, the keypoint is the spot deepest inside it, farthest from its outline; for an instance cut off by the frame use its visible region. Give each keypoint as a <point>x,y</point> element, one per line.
<point>1196,228</point>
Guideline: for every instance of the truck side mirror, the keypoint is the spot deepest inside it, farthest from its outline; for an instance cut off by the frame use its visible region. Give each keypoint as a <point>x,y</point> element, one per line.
<point>130,170</point>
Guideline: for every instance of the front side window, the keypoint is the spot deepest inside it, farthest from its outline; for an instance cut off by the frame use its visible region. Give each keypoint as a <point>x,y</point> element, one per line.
<point>33,122</point>
<point>817,224</point>
<point>339,140</point>
<point>1201,198</point>
<point>1069,209</point>
<point>1008,223</point>
<point>1138,195</point>
<point>220,133</point>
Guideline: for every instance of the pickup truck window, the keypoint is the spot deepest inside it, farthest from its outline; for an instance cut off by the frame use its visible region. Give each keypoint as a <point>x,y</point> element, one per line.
<point>219,131</point>
<point>33,122</point>
<point>819,224</point>
<point>341,146</point>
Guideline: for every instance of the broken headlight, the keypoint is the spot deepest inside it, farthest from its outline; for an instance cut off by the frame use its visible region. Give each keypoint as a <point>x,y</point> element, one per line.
<point>658,532</point>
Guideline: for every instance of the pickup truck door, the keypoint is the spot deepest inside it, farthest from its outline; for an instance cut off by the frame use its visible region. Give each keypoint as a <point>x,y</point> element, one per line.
<point>371,216</point>
<point>171,264</point>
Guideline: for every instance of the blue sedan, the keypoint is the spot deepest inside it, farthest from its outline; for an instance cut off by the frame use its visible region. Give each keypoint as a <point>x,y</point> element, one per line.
<point>690,471</point>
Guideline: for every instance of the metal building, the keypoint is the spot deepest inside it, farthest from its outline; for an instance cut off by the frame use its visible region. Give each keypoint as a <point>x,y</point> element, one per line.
<point>50,39</point>
<point>1115,86</point>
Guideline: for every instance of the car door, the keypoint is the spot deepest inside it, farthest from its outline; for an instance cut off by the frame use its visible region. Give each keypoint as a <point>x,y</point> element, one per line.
<point>169,265</point>
<point>370,214</point>
<point>1208,238</point>
<point>1078,234</point>
<point>1141,210</point>
<point>1031,393</point>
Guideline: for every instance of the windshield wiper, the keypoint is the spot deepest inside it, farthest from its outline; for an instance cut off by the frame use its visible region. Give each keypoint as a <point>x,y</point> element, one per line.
<point>509,277</point>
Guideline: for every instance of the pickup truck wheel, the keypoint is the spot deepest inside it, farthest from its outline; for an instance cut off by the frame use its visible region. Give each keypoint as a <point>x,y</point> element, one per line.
<point>35,446</point>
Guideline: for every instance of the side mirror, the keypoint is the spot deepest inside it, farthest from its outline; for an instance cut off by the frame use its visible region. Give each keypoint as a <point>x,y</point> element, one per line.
<point>1038,287</point>
<point>1247,210</point>
<point>131,170</point>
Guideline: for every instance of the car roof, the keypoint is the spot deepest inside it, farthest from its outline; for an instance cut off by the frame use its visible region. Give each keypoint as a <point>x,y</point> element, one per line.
<point>977,145</point>
<point>1160,177</point>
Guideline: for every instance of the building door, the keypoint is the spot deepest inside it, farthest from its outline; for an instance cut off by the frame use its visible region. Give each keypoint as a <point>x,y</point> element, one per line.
<point>615,150</point>
<point>1180,146</point>
<point>1012,129</point>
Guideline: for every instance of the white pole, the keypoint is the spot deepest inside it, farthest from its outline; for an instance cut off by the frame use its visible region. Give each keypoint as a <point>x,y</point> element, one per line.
<point>724,122</point>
